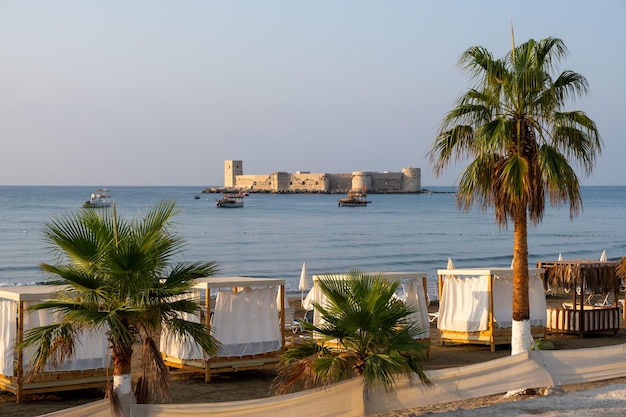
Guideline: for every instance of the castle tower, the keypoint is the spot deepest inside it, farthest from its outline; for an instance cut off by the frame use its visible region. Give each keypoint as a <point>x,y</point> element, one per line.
<point>231,170</point>
<point>412,179</point>
<point>361,180</point>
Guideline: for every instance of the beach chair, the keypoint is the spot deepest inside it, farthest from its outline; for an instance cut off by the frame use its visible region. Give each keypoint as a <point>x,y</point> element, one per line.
<point>291,324</point>
<point>308,318</point>
<point>608,300</point>
<point>569,305</point>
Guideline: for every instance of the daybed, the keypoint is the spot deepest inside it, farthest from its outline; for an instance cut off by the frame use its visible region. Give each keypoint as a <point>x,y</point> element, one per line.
<point>414,288</point>
<point>475,305</point>
<point>585,314</point>
<point>90,366</point>
<point>245,320</point>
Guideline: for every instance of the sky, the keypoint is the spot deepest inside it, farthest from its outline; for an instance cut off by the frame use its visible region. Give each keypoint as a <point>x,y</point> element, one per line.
<point>155,92</point>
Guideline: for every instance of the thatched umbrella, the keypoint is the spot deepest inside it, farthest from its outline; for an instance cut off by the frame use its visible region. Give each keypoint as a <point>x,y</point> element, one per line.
<point>592,276</point>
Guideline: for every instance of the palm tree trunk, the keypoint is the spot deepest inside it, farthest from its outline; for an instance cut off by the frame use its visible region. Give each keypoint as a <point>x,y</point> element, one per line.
<point>122,378</point>
<point>521,337</point>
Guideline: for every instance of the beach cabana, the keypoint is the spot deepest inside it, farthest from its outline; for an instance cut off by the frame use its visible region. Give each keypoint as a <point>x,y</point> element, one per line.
<point>414,293</point>
<point>243,314</point>
<point>475,305</point>
<point>594,287</point>
<point>89,367</point>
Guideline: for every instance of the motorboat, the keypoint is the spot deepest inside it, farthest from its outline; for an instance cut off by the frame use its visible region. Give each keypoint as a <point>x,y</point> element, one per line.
<point>100,199</point>
<point>230,201</point>
<point>354,199</point>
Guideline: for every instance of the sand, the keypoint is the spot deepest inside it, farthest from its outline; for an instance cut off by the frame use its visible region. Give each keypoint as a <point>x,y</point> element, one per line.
<point>190,388</point>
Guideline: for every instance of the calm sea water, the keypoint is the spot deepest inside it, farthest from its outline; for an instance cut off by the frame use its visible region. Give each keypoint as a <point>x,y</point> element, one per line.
<point>274,234</point>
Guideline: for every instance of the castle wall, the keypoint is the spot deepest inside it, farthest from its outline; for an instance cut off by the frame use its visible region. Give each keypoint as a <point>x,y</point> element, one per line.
<point>386,182</point>
<point>256,182</point>
<point>307,182</point>
<point>407,181</point>
<point>339,183</point>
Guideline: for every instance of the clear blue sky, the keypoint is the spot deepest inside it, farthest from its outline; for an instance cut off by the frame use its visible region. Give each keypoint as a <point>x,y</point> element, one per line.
<point>148,92</point>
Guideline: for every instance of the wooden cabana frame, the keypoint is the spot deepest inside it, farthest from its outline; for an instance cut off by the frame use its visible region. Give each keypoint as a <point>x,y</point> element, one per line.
<point>48,381</point>
<point>219,364</point>
<point>582,278</point>
<point>494,334</point>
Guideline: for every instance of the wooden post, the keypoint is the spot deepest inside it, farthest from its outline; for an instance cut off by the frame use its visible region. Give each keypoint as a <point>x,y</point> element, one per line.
<point>492,342</point>
<point>282,315</point>
<point>581,282</point>
<point>207,318</point>
<point>20,354</point>
<point>439,286</point>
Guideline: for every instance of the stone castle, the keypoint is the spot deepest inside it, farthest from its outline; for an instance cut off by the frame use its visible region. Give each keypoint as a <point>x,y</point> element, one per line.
<point>407,181</point>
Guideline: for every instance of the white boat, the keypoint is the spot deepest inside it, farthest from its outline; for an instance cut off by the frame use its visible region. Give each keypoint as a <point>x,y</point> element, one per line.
<point>230,201</point>
<point>100,199</point>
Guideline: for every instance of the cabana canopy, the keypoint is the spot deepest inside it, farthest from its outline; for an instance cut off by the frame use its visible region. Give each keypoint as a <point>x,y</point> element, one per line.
<point>246,320</point>
<point>90,362</point>
<point>475,305</point>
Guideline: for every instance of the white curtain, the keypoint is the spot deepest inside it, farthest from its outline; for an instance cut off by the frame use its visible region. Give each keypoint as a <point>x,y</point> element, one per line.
<point>8,326</point>
<point>415,296</point>
<point>503,301</point>
<point>91,348</point>
<point>537,297</point>
<point>181,347</point>
<point>464,304</point>
<point>246,322</point>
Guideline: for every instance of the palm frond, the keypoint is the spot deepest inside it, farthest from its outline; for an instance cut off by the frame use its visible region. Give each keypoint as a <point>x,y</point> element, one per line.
<point>154,384</point>
<point>184,329</point>
<point>361,319</point>
<point>51,346</point>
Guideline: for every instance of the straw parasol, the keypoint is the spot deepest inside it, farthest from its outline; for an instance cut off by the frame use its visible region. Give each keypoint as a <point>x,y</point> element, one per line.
<point>595,276</point>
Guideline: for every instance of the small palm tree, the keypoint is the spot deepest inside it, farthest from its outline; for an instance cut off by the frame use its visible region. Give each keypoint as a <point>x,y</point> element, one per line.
<point>364,331</point>
<point>512,127</point>
<point>120,277</point>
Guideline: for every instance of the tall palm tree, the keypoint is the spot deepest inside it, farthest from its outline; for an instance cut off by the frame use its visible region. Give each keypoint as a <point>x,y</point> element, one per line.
<point>122,277</point>
<point>513,128</point>
<point>363,332</point>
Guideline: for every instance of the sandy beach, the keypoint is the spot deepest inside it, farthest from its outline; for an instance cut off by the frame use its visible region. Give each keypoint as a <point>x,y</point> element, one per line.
<point>190,388</point>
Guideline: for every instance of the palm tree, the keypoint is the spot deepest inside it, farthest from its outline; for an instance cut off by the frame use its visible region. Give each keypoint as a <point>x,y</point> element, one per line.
<point>363,332</point>
<point>513,128</point>
<point>121,277</point>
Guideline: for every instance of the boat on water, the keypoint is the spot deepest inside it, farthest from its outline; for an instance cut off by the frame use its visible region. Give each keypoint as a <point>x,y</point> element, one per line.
<point>230,201</point>
<point>100,199</point>
<point>355,199</point>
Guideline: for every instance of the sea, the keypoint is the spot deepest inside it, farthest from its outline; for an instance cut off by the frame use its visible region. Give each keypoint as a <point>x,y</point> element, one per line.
<point>274,234</point>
